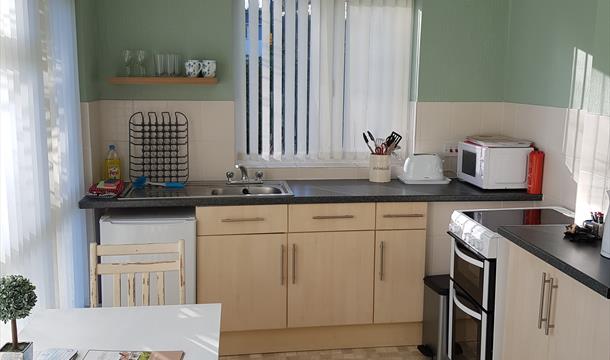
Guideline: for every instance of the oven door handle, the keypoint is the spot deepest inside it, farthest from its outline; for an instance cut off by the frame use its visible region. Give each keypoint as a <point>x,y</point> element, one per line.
<point>465,308</point>
<point>468,259</point>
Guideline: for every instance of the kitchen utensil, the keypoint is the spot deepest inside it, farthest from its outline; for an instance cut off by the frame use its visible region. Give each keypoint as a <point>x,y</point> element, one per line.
<point>192,68</point>
<point>366,140</point>
<point>127,62</point>
<point>139,63</point>
<point>158,146</point>
<point>141,181</point>
<point>605,252</point>
<point>371,136</point>
<point>423,167</point>
<point>379,168</point>
<point>170,64</point>
<point>159,64</point>
<point>208,68</point>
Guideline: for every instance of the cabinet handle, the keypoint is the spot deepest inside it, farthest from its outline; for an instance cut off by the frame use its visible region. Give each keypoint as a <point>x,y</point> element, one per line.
<point>231,220</point>
<point>541,306</point>
<point>381,260</point>
<point>329,217</point>
<point>294,263</point>
<point>390,216</point>
<point>548,326</point>
<point>282,264</point>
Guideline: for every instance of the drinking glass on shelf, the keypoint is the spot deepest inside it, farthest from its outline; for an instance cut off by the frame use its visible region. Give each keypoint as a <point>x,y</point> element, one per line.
<point>177,64</point>
<point>127,62</point>
<point>170,64</point>
<point>140,58</point>
<point>160,66</point>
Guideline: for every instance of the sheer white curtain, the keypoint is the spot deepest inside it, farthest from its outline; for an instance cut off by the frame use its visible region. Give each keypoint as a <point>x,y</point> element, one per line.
<point>377,70</point>
<point>42,231</point>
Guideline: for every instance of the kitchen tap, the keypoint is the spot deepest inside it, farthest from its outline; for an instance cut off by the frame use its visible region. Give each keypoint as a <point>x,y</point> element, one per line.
<point>245,179</point>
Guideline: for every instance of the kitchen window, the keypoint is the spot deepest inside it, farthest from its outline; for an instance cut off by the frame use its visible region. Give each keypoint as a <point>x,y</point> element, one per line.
<point>312,75</point>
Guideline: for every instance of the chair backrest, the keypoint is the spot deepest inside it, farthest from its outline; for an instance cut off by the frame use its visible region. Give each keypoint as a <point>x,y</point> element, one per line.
<point>131,269</point>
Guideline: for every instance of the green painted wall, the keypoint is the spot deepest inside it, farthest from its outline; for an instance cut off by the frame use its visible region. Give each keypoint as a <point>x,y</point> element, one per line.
<point>193,28</point>
<point>87,43</point>
<point>462,50</point>
<point>540,47</point>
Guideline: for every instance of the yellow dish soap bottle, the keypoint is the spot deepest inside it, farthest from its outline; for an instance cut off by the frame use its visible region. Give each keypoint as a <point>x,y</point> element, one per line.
<point>112,164</point>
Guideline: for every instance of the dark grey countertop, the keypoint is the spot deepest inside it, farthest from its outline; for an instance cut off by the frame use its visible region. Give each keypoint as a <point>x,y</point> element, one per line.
<point>334,191</point>
<point>581,261</point>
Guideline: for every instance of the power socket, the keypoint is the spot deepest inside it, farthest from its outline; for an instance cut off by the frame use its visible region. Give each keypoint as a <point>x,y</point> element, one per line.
<point>450,149</point>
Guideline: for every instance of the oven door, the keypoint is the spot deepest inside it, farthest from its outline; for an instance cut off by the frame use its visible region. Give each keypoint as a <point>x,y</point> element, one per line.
<point>469,328</point>
<point>473,273</point>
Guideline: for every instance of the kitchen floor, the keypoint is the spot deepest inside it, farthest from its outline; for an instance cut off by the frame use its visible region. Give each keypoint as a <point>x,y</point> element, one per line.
<point>385,353</point>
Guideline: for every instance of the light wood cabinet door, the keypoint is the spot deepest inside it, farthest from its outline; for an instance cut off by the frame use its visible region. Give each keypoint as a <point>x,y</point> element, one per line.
<point>399,273</point>
<point>522,337</point>
<point>247,275</point>
<point>330,278</point>
<point>581,321</point>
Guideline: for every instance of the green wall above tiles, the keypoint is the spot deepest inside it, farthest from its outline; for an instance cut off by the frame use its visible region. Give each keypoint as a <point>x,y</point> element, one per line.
<point>462,50</point>
<point>540,46</point>
<point>192,28</point>
<point>471,50</point>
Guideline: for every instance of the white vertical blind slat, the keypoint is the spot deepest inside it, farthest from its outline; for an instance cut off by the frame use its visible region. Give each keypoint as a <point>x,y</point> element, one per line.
<point>315,81</point>
<point>265,78</point>
<point>290,89</point>
<point>336,118</point>
<point>240,81</point>
<point>302,66</point>
<point>277,79</point>
<point>253,74</point>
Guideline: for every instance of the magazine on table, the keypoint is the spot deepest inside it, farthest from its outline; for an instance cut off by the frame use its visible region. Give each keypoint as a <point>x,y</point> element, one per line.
<point>133,355</point>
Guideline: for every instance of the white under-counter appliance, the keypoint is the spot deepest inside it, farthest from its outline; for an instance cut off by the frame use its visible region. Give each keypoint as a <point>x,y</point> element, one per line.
<point>473,293</point>
<point>148,226</point>
<point>494,162</point>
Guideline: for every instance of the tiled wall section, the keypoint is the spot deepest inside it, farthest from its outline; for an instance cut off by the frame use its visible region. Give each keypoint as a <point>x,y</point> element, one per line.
<point>577,162</point>
<point>576,144</point>
<point>211,134</point>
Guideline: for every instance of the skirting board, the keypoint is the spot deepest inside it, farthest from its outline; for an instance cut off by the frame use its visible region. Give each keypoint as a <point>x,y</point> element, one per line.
<point>320,338</point>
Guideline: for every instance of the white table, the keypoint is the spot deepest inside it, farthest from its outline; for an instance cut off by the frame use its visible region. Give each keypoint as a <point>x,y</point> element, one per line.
<point>194,329</point>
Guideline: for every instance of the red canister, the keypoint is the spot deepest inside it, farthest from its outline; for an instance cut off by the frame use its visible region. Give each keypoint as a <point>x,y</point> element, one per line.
<point>535,167</point>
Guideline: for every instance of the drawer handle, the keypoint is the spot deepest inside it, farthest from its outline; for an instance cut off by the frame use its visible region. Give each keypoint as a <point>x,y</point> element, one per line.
<point>232,220</point>
<point>392,216</point>
<point>330,217</point>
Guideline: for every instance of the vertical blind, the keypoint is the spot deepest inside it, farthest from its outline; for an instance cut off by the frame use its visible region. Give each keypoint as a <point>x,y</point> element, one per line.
<point>314,74</point>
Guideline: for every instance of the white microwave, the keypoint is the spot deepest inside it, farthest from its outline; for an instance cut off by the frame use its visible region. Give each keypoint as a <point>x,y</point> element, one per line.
<point>493,167</point>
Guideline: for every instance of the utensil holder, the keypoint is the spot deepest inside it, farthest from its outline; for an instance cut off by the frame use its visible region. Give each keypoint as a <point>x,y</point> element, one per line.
<point>379,168</point>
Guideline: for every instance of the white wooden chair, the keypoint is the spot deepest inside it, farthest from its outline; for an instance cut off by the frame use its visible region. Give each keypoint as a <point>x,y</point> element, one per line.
<point>131,269</point>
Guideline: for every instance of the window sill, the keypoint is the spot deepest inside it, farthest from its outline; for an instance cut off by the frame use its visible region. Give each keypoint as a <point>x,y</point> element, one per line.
<point>276,164</point>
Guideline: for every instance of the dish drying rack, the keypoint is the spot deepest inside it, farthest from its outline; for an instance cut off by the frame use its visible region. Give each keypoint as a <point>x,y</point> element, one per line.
<point>158,146</point>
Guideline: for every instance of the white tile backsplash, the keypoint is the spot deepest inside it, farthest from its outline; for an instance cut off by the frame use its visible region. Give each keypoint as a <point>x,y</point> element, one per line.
<point>211,133</point>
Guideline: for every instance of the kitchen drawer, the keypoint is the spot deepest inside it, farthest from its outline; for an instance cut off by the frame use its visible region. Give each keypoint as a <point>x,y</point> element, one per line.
<point>250,219</point>
<point>331,217</point>
<point>403,215</point>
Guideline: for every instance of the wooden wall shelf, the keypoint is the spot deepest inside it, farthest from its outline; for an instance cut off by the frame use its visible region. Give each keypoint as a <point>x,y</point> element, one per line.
<point>160,80</point>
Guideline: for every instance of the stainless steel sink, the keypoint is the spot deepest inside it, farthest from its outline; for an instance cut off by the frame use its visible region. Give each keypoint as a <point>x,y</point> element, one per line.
<point>208,189</point>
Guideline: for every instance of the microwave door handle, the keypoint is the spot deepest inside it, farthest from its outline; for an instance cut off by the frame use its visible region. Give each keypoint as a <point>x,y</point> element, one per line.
<point>468,259</point>
<point>465,308</point>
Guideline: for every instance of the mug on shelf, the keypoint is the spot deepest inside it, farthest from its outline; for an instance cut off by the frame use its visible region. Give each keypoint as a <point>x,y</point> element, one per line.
<point>192,68</point>
<point>208,68</point>
<point>379,168</point>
